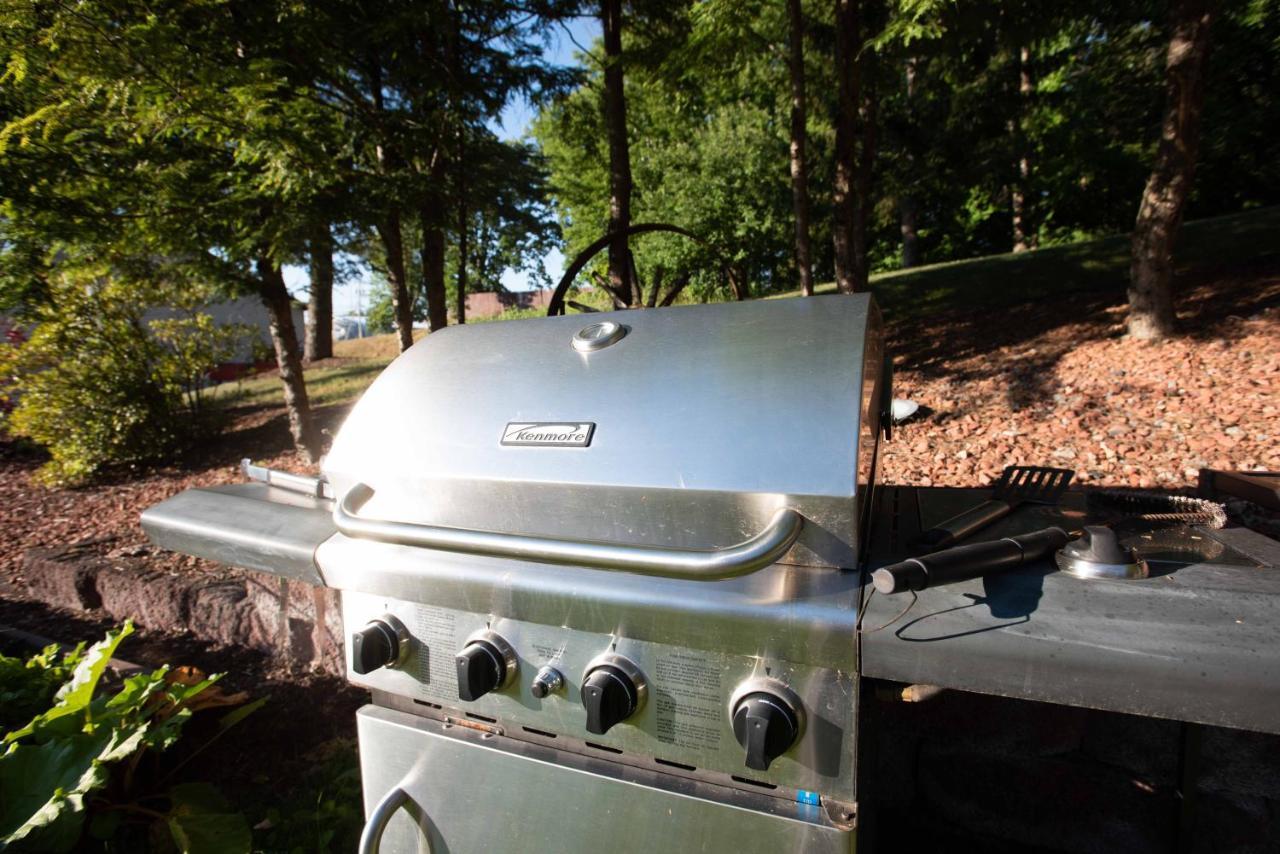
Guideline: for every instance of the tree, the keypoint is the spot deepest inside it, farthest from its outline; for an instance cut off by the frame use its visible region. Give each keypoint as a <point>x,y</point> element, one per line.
<point>799,167</point>
<point>214,143</point>
<point>907,205</point>
<point>1024,232</point>
<point>844,191</point>
<point>1164,199</point>
<point>622,278</point>
<point>319,342</point>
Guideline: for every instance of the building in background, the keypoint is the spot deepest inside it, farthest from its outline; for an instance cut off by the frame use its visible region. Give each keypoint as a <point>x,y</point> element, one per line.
<point>492,303</point>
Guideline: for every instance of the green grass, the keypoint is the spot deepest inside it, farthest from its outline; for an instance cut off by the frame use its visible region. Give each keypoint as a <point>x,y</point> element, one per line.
<point>326,385</point>
<point>1090,265</point>
<point>994,281</point>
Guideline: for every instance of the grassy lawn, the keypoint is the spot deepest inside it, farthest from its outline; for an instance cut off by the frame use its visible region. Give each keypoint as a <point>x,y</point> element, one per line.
<point>1091,265</point>
<point>994,281</point>
<point>326,384</point>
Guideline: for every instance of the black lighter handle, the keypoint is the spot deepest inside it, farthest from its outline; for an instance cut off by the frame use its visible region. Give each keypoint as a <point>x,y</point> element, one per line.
<point>964,562</point>
<point>963,524</point>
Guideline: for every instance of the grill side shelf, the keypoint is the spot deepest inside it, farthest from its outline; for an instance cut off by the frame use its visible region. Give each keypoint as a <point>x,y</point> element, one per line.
<point>251,525</point>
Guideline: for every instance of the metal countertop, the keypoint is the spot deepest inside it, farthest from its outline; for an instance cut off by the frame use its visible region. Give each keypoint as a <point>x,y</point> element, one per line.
<point>1199,642</point>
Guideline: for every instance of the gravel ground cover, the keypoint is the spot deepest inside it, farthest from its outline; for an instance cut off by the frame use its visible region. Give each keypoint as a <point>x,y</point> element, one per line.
<point>1052,383</point>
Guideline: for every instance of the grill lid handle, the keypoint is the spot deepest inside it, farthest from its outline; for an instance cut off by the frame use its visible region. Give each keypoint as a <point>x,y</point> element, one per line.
<point>759,551</point>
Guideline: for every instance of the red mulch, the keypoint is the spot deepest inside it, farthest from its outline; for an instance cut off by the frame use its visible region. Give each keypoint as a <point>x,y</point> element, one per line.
<point>1057,383</point>
<point>106,514</point>
<point>1051,383</point>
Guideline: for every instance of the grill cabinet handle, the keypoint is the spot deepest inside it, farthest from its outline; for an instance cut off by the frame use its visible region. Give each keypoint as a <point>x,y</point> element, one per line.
<point>371,836</point>
<point>761,550</point>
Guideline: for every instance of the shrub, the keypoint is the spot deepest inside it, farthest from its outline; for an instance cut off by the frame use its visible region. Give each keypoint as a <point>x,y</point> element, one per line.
<point>97,386</point>
<point>71,774</point>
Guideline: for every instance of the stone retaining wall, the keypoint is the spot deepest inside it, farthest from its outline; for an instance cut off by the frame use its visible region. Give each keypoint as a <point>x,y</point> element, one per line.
<point>291,621</point>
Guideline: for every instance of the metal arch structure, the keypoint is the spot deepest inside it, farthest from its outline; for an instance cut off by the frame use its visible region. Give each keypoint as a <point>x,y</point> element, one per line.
<point>557,304</point>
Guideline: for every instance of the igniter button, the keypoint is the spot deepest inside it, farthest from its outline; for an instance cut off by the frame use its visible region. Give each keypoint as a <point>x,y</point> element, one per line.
<point>547,681</point>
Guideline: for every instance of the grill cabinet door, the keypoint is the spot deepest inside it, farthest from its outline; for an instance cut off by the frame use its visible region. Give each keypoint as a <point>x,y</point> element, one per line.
<point>472,794</point>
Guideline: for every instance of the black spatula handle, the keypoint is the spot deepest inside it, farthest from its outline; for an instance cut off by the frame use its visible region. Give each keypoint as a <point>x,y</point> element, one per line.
<point>970,561</point>
<point>963,524</point>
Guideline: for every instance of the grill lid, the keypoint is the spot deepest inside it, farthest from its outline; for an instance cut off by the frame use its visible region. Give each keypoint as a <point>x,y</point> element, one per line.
<point>684,428</point>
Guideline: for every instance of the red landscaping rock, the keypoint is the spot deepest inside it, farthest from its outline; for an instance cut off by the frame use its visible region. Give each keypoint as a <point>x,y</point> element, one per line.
<point>154,599</point>
<point>293,622</point>
<point>65,578</point>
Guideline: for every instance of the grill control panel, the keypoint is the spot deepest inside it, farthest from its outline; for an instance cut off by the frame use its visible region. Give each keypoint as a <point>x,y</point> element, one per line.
<point>763,722</point>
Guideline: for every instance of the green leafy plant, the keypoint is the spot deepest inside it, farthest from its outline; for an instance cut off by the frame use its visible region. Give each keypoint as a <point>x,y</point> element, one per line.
<point>70,772</point>
<point>27,687</point>
<point>323,812</point>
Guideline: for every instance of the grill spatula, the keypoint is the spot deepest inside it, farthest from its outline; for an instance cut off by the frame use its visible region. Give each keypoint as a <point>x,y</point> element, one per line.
<point>1017,485</point>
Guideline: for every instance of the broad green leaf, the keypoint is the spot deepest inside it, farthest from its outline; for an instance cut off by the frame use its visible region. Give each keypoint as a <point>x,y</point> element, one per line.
<point>77,694</point>
<point>193,798</point>
<point>211,833</point>
<point>43,789</point>
<point>235,716</point>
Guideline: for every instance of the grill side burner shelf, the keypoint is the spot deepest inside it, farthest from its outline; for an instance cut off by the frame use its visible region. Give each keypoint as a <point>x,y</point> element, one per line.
<point>249,525</point>
<point>1197,642</point>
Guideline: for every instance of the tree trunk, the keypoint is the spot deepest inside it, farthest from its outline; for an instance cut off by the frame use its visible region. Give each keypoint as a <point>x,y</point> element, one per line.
<point>1024,230</point>
<point>799,169</point>
<point>908,210</point>
<point>391,230</point>
<point>401,301</point>
<point>615,117</point>
<point>910,232</point>
<point>1155,233</point>
<point>432,254</point>
<point>284,338</point>
<point>867,119</point>
<point>432,214</point>
<point>461,311</point>
<point>319,343</point>
<point>843,193</point>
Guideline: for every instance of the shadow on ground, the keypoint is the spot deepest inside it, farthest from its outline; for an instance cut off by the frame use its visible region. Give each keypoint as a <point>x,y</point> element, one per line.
<point>1027,344</point>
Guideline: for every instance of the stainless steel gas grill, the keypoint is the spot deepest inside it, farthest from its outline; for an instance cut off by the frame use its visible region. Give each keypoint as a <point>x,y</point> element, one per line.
<point>600,574</point>
<point>604,577</point>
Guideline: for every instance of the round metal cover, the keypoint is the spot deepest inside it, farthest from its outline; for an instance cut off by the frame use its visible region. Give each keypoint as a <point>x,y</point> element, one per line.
<point>597,336</point>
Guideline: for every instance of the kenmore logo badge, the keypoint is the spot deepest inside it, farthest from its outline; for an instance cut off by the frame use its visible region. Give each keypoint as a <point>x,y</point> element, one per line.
<point>552,434</point>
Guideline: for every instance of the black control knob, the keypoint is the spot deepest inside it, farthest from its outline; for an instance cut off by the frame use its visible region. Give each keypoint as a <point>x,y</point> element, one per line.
<point>376,645</point>
<point>766,725</point>
<point>481,668</point>
<point>610,696</point>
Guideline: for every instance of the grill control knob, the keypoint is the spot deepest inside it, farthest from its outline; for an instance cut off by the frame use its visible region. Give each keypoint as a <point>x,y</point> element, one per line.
<point>487,662</point>
<point>379,644</point>
<point>766,725</point>
<point>612,691</point>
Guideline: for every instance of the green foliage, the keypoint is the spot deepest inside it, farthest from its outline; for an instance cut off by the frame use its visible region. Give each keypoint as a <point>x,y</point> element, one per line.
<point>98,386</point>
<point>56,772</point>
<point>27,687</point>
<point>708,114</point>
<point>707,155</point>
<point>323,812</point>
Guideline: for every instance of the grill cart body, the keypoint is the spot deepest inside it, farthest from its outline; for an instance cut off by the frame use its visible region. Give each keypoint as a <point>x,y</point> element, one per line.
<point>670,501</point>
<point>604,574</point>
